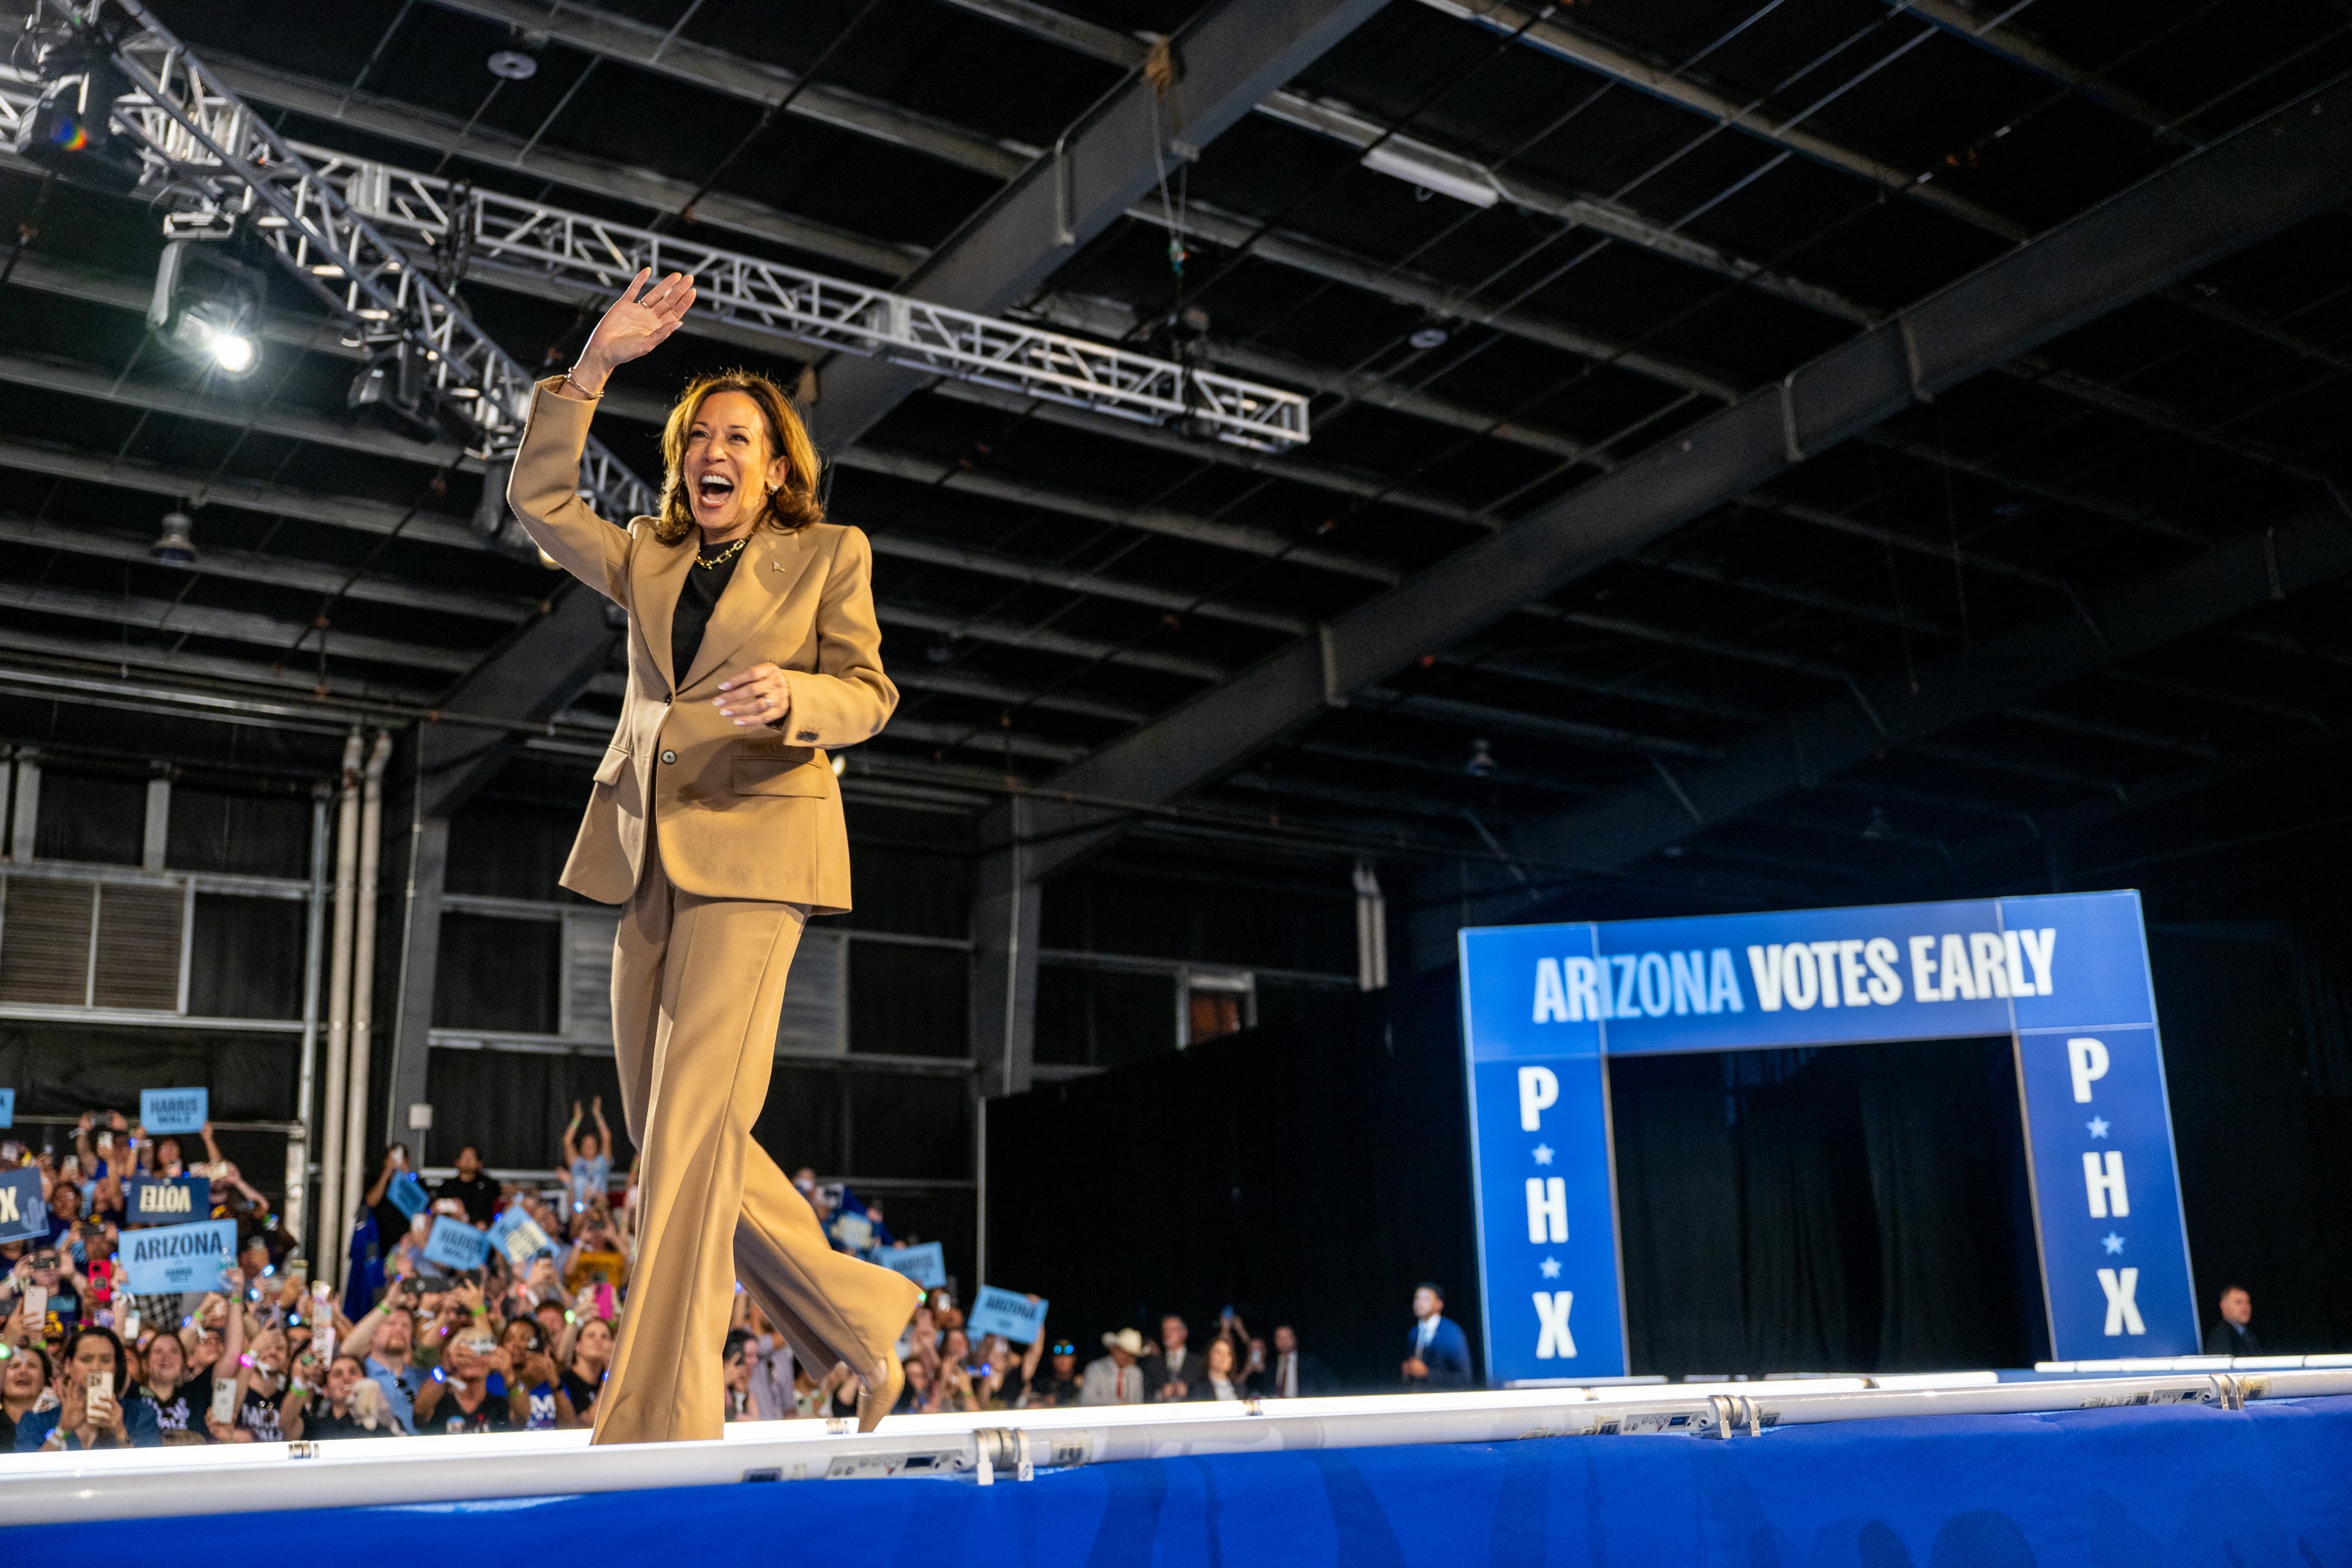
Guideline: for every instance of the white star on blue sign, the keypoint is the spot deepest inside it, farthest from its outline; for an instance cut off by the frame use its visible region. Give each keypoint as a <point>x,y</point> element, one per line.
<point>2098,1126</point>
<point>1550,1268</point>
<point>1543,1153</point>
<point>2113,1241</point>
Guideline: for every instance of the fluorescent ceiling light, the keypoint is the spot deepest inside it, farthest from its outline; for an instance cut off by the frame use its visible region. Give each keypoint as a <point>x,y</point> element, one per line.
<point>1433,170</point>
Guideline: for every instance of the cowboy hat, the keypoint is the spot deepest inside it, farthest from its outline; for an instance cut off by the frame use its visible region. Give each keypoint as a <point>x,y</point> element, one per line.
<point>1127,1339</point>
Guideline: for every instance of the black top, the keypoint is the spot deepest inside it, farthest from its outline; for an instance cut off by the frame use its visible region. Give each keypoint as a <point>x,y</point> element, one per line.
<point>480,1196</point>
<point>2225,1338</point>
<point>697,597</point>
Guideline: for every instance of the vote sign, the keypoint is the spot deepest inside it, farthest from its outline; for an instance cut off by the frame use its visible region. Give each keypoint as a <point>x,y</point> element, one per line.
<point>454,1244</point>
<point>153,1200</point>
<point>2065,977</point>
<point>22,1215</point>
<point>174,1110</point>
<point>1006,1313</point>
<point>407,1193</point>
<point>519,1235</point>
<point>173,1258</point>
<point>7,1107</point>
<point>926,1265</point>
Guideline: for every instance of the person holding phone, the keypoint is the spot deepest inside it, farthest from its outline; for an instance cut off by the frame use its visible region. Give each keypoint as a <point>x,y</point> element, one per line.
<point>716,820</point>
<point>475,1389</point>
<point>92,1411</point>
<point>345,1403</point>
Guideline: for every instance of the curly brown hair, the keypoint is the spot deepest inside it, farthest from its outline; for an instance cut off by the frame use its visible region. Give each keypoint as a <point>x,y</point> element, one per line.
<point>792,506</point>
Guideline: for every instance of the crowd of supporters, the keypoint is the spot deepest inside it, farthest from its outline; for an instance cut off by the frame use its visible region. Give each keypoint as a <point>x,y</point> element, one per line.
<point>415,1341</point>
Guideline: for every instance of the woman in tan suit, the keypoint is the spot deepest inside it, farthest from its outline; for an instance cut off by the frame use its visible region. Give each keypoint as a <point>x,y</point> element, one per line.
<point>716,819</point>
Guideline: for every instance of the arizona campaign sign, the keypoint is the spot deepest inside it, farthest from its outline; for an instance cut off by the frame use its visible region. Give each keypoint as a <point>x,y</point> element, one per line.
<point>177,1258</point>
<point>2065,977</point>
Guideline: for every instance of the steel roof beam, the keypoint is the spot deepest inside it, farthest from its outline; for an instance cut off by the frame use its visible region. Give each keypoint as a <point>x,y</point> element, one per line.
<point>1233,54</point>
<point>277,571</point>
<point>624,40</point>
<point>416,127</point>
<point>1623,66</point>
<point>2004,673</point>
<point>1240,538</point>
<point>247,495</point>
<point>423,129</point>
<point>120,656</point>
<point>1539,30</point>
<point>170,618</point>
<point>1996,37</point>
<point>2210,203</point>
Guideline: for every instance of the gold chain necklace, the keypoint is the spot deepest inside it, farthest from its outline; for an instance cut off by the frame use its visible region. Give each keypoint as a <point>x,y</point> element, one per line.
<point>712,562</point>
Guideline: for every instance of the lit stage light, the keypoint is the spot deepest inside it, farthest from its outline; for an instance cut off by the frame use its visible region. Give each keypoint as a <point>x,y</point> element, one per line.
<point>208,305</point>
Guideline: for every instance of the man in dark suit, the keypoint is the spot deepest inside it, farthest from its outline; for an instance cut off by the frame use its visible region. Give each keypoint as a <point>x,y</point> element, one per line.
<point>1169,1371</point>
<point>1291,1372</point>
<point>1437,1354</point>
<point>2231,1335</point>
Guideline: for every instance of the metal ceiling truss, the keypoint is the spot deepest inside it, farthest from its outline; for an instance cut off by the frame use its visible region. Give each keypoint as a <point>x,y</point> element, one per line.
<point>1323,117</point>
<point>335,216</point>
<point>222,165</point>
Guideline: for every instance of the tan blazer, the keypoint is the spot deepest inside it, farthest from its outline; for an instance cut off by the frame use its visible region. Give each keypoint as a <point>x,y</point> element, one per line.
<point>750,813</point>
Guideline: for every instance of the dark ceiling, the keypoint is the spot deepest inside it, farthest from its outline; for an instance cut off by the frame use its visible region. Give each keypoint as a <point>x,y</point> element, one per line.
<point>1050,580</point>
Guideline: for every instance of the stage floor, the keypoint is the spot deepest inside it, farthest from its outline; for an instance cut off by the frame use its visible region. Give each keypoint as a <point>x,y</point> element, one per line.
<point>2147,1473</point>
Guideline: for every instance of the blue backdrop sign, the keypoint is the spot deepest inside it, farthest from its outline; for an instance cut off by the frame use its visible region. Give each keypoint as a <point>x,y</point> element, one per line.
<point>2065,976</point>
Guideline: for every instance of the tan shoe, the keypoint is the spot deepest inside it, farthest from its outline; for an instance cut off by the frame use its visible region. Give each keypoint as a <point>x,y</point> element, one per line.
<point>873,1404</point>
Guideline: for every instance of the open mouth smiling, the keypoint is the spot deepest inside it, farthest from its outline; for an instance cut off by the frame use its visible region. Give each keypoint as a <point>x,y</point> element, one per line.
<point>716,488</point>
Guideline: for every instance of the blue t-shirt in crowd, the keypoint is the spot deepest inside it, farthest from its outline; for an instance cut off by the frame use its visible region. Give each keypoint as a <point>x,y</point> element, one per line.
<point>399,1390</point>
<point>33,1427</point>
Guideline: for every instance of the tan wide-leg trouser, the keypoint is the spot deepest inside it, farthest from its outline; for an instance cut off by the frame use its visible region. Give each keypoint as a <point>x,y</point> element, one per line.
<point>697,985</point>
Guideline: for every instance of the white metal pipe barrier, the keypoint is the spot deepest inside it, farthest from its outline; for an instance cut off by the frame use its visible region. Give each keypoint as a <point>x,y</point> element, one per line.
<point>236,1478</point>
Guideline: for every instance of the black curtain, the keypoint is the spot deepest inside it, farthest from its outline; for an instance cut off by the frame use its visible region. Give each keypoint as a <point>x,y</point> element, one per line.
<point>1309,1173</point>
<point>1859,1208</point>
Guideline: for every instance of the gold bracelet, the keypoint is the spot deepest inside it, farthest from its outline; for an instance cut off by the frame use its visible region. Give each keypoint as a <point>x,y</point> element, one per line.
<point>574,386</point>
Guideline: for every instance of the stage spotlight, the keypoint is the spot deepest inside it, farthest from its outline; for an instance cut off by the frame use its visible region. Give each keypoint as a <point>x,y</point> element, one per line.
<point>208,305</point>
<point>176,546</point>
<point>1426,338</point>
<point>396,390</point>
<point>512,65</point>
<point>390,390</point>
<point>1482,764</point>
<point>68,131</point>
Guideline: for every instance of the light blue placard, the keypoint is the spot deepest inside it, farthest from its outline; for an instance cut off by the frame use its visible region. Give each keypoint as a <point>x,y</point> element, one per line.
<point>22,1213</point>
<point>7,1107</point>
<point>1006,1313</point>
<point>176,1258</point>
<point>454,1244</point>
<point>154,1200</point>
<point>517,1234</point>
<point>926,1265</point>
<point>174,1110</point>
<point>2065,977</point>
<point>409,1195</point>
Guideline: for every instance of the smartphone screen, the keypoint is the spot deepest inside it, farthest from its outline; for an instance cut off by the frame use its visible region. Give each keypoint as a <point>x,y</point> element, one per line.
<point>131,1326</point>
<point>105,1141</point>
<point>224,1399</point>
